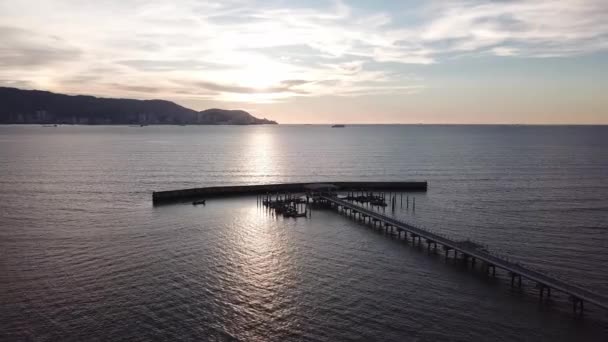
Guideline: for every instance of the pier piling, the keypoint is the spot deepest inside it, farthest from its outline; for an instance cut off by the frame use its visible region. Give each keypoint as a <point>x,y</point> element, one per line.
<point>473,251</point>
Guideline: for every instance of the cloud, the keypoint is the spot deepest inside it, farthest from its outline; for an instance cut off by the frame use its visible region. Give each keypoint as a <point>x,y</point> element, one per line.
<point>167,65</point>
<point>378,90</point>
<point>505,51</point>
<point>24,48</point>
<point>539,28</point>
<point>286,86</point>
<point>16,84</point>
<point>136,88</point>
<point>291,83</point>
<point>247,50</point>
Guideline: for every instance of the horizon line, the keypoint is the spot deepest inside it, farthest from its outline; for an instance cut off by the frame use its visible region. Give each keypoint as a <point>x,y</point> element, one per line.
<point>329,124</point>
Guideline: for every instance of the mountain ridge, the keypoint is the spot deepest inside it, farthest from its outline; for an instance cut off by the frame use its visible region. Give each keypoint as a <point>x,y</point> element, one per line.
<point>19,106</point>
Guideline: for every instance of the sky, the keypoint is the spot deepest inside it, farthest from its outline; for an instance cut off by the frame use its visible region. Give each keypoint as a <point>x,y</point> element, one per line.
<point>322,61</point>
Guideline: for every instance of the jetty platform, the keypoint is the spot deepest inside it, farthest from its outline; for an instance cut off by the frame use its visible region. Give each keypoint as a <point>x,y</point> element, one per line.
<point>159,197</point>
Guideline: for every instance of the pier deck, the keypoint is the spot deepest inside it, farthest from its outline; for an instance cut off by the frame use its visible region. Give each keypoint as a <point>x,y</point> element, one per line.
<point>577,293</point>
<point>159,197</point>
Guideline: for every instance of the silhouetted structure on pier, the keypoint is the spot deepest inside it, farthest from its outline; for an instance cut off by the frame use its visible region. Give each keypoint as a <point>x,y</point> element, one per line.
<point>159,197</point>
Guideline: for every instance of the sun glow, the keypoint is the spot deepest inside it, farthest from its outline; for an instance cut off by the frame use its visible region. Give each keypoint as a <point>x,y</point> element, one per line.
<point>263,74</point>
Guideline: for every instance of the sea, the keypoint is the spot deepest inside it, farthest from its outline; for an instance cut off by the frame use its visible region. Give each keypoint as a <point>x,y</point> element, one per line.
<point>86,256</point>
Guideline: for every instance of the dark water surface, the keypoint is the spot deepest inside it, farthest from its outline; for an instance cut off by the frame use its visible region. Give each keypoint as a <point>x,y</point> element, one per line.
<point>84,256</point>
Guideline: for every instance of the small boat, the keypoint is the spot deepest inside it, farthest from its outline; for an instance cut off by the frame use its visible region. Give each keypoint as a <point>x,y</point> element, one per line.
<point>198,202</point>
<point>338,126</point>
<point>294,214</point>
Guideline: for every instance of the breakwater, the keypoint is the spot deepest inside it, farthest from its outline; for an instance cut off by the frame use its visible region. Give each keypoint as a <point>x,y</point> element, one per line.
<point>234,190</point>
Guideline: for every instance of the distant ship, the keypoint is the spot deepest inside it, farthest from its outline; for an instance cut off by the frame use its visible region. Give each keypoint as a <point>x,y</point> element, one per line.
<point>338,126</point>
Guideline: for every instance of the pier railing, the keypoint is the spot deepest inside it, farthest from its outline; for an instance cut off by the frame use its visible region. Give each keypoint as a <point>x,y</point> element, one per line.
<point>502,255</point>
<point>485,254</point>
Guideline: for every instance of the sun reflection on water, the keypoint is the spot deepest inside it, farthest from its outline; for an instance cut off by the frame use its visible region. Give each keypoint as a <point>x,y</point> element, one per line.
<point>260,157</point>
<point>266,269</point>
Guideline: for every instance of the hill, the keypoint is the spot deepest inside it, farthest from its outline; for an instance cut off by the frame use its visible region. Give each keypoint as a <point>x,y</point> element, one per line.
<point>19,106</point>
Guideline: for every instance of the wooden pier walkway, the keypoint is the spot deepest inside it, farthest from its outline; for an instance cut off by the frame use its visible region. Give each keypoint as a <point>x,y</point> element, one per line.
<point>578,294</point>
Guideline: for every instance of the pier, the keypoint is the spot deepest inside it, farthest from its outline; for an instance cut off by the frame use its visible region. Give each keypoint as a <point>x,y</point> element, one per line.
<point>291,200</point>
<point>159,197</point>
<point>468,251</point>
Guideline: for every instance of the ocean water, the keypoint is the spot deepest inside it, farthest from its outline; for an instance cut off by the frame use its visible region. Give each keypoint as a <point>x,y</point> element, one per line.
<point>85,256</point>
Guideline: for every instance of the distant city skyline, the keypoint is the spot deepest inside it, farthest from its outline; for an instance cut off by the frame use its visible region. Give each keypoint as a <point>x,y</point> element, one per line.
<point>480,62</point>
